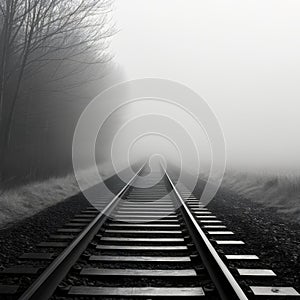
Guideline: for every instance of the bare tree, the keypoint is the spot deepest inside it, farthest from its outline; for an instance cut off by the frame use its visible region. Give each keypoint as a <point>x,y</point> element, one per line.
<point>65,37</point>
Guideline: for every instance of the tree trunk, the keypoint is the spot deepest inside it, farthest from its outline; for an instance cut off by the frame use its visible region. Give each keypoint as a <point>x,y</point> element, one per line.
<point>7,128</point>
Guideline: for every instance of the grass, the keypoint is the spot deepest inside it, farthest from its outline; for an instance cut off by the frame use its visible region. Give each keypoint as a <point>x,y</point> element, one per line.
<point>279,191</point>
<point>24,201</point>
<point>27,200</point>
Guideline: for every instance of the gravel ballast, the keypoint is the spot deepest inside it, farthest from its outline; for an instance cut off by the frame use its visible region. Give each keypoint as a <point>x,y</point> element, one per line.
<point>24,235</point>
<point>275,240</point>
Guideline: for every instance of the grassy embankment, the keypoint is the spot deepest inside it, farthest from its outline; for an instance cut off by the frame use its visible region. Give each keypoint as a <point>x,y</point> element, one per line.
<point>27,200</point>
<point>279,191</point>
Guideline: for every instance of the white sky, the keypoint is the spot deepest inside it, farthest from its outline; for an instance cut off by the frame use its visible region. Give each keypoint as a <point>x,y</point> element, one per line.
<point>242,56</point>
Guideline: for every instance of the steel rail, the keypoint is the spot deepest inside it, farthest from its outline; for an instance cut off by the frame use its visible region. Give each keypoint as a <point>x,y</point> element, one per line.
<point>225,283</point>
<point>45,285</point>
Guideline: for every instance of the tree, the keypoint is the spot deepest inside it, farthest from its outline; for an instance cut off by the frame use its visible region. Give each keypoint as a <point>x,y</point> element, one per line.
<point>60,39</point>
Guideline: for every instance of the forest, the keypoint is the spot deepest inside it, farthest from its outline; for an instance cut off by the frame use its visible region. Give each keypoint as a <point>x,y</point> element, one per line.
<point>54,58</point>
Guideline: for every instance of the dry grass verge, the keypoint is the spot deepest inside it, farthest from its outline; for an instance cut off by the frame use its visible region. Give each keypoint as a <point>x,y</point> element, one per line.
<point>25,201</point>
<point>279,191</point>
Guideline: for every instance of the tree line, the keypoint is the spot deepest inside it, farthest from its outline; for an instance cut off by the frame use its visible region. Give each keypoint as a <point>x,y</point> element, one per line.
<point>49,49</point>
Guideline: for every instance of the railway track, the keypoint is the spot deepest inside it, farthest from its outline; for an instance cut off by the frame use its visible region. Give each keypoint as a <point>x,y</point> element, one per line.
<point>157,242</point>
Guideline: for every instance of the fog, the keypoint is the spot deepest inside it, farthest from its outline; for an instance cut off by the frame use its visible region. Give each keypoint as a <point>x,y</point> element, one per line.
<point>242,57</point>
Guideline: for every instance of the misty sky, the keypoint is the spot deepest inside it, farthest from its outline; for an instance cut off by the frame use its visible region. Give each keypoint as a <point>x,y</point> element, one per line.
<point>243,57</point>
